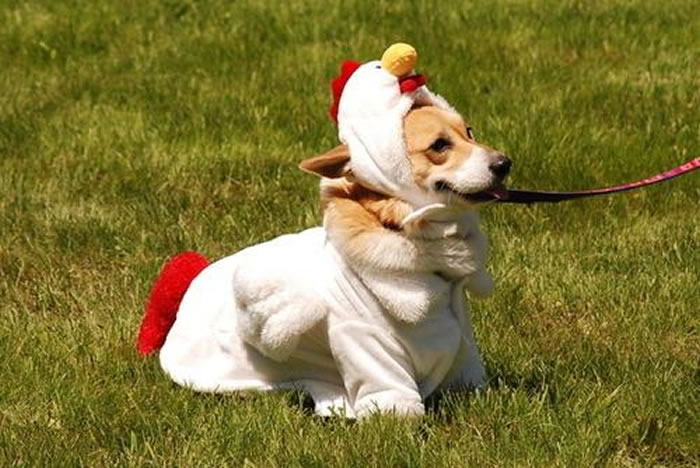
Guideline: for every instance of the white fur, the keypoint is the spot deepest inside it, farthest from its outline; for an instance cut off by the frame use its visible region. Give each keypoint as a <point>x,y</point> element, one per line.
<point>472,176</point>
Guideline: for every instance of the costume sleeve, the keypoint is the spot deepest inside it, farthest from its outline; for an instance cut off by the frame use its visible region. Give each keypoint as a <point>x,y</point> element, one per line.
<point>375,368</point>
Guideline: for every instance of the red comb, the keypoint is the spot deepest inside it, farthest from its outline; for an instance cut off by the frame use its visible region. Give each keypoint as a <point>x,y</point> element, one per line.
<point>347,68</point>
<point>411,83</point>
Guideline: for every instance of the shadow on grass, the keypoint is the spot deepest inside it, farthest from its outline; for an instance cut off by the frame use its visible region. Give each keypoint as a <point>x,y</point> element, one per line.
<point>535,385</point>
<point>539,383</point>
<point>441,406</point>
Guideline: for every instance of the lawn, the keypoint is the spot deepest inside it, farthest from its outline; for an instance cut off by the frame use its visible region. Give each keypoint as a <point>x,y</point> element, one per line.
<point>132,130</point>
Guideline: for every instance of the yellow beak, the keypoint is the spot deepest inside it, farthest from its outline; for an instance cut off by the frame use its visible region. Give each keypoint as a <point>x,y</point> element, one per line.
<point>399,59</point>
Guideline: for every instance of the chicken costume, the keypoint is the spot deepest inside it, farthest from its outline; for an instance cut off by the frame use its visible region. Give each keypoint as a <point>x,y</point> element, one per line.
<point>297,312</point>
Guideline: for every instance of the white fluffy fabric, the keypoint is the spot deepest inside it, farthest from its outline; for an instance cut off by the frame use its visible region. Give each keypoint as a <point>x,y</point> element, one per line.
<point>292,313</point>
<point>370,122</point>
<point>376,333</point>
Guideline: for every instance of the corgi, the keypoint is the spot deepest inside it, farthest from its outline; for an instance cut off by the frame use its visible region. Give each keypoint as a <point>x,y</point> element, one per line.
<point>366,313</point>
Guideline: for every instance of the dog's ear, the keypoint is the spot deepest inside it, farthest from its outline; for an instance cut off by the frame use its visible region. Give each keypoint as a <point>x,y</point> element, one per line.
<point>333,164</point>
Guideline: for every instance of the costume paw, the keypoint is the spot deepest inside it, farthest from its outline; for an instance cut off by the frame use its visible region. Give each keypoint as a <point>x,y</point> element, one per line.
<point>404,408</point>
<point>480,284</point>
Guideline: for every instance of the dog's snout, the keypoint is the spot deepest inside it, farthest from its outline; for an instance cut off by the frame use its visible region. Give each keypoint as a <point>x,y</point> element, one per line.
<point>501,166</point>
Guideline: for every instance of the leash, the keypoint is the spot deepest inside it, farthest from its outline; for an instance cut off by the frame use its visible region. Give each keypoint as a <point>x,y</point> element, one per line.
<point>536,196</point>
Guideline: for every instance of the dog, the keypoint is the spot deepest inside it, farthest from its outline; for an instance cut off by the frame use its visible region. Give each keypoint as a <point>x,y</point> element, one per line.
<point>367,313</point>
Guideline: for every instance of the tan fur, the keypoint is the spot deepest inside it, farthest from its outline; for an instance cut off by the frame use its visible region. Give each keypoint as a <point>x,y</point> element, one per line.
<point>368,238</point>
<point>332,164</point>
<point>422,127</point>
<point>366,224</point>
<point>381,210</point>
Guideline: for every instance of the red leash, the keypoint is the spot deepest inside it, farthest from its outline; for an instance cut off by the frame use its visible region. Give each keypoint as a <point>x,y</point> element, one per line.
<point>535,196</point>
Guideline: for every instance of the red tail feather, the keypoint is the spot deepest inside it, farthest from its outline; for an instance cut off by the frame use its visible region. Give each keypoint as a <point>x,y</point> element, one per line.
<point>164,300</point>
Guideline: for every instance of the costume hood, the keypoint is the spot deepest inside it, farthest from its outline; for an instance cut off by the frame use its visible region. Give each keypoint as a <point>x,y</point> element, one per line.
<point>370,103</point>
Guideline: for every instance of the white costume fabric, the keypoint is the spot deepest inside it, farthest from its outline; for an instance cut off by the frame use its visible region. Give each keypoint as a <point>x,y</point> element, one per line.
<point>370,122</point>
<point>294,312</point>
<point>291,313</point>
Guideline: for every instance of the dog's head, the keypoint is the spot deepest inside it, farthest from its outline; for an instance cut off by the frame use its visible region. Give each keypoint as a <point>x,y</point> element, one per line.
<point>448,165</point>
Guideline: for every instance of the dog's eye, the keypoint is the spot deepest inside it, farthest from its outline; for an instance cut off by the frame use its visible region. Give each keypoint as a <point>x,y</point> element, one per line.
<point>440,145</point>
<point>470,133</point>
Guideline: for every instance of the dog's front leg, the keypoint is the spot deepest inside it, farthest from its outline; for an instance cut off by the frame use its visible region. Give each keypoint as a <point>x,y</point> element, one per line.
<point>376,370</point>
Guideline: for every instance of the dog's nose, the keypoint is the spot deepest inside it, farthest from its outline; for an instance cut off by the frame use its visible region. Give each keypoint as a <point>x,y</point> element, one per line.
<point>501,166</point>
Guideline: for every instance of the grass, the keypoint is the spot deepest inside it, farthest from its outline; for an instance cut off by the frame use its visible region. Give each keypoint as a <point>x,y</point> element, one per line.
<point>131,130</point>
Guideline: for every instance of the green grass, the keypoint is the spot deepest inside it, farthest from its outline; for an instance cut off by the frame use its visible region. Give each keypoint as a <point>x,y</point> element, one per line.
<point>131,130</point>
